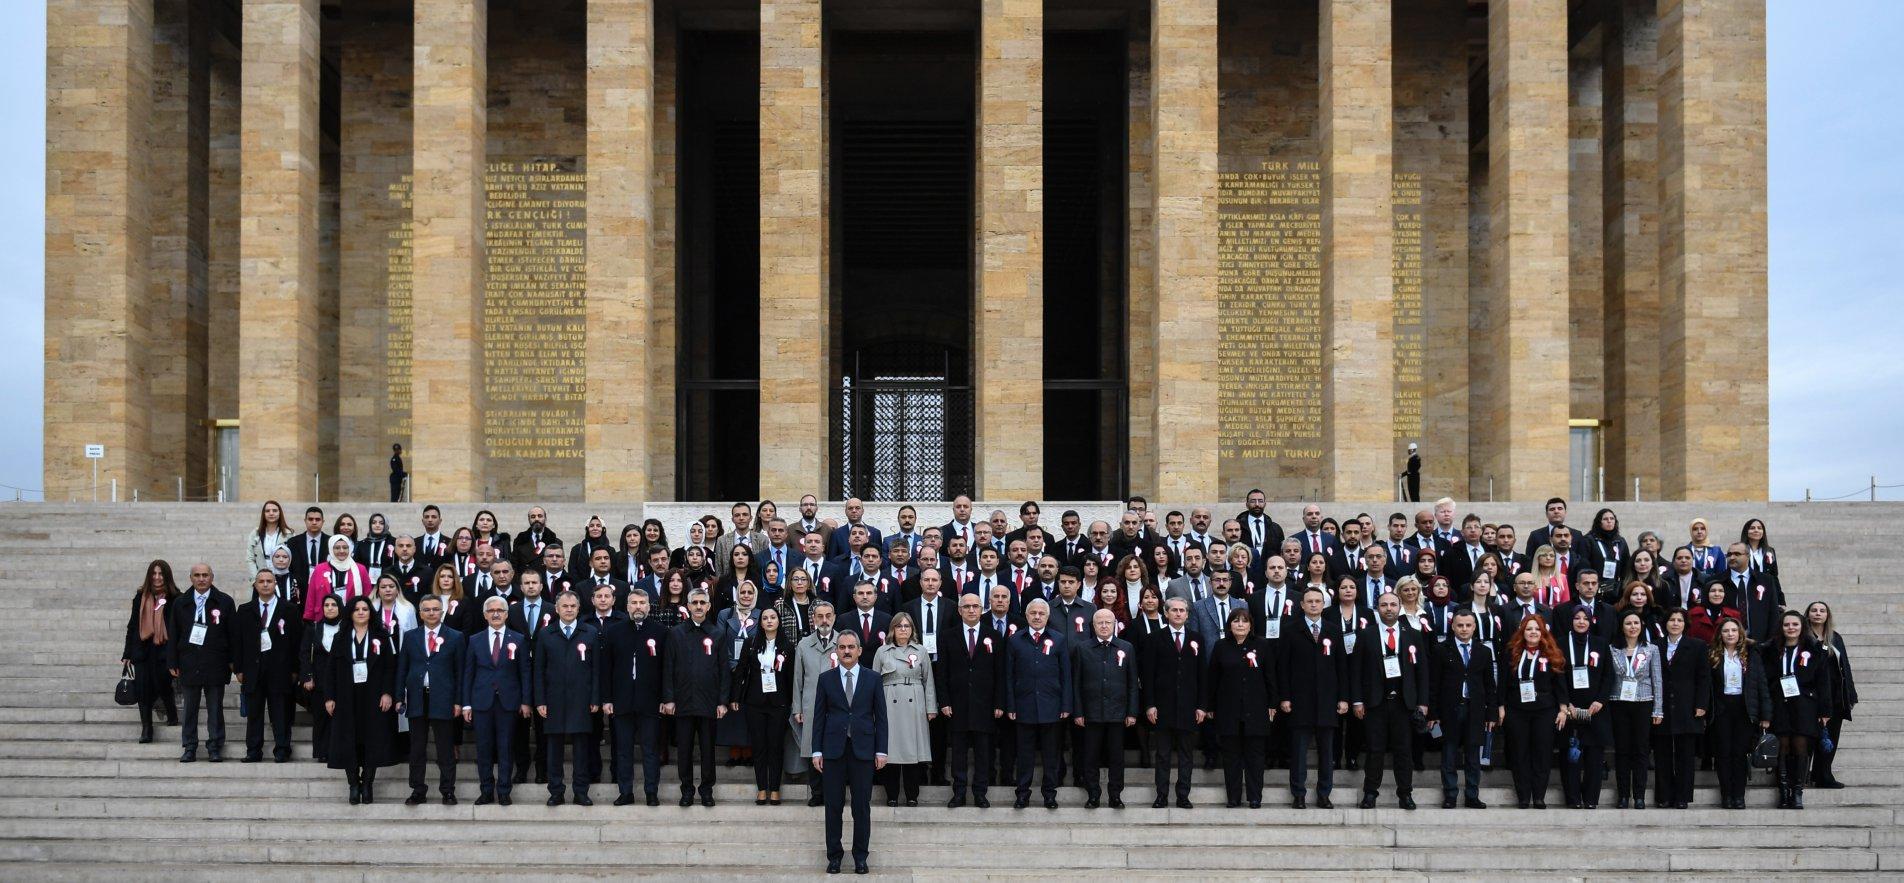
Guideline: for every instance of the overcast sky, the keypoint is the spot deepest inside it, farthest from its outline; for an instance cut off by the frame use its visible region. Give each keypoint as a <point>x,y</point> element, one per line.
<point>1837,208</point>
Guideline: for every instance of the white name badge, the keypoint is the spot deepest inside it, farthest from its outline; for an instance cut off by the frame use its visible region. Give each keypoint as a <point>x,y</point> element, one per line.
<point>198,634</point>
<point>1609,569</point>
<point>1733,686</point>
<point>1629,690</point>
<point>264,641</point>
<point>1580,678</point>
<point>360,672</point>
<point>1391,666</point>
<point>769,682</point>
<point>1527,692</point>
<point>1275,629</point>
<point>1789,684</point>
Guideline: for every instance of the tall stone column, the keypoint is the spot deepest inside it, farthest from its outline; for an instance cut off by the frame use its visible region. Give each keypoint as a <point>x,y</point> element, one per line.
<point>1183,57</point>
<point>278,359</point>
<point>447,271</point>
<point>1520,413</point>
<point>98,105</point>
<point>1358,249</point>
<point>620,241</point>
<point>1010,250</point>
<point>1630,158</point>
<point>1712,258</point>
<point>178,153</point>
<point>795,366</point>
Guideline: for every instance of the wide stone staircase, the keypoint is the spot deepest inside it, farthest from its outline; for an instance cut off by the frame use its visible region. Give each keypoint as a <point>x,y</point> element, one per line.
<point>80,799</point>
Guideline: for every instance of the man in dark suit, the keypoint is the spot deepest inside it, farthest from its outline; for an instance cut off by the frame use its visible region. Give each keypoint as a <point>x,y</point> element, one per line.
<point>433,547</point>
<point>1543,535</point>
<point>864,617</point>
<point>1106,701</point>
<point>694,693</point>
<point>1172,683</point>
<point>200,657</point>
<point>1401,555</point>
<point>849,745</point>
<point>311,547</point>
<point>1260,532</point>
<point>566,694</point>
<point>1754,592</point>
<point>555,574</point>
<point>495,692</point>
<point>492,577</point>
<point>840,544</point>
<point>1599,613</point>
<point>1523,605</point>
<point>529,616</point>
<point>1390,689</point>
<point>970,672</point>
<point>413,575</point>
<point>932,615</point>
<point>267,636</point>
<point>1465,702</point>
<point>429,669</point>
<point>1315,671</point>
<point>1130,539</point>
<point>526,549</point>
<point>1037,698</point>
<point>1462,560</point>
<point>632,650</point>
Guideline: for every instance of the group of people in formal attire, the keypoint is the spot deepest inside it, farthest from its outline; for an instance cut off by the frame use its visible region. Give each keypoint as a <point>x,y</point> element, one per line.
<point>976,652</point>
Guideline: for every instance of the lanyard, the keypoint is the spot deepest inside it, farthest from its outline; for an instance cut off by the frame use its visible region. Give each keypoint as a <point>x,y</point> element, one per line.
<point>1527,666</point>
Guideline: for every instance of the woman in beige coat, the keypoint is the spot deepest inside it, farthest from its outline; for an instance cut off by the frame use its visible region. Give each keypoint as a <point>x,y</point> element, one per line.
<point>905,671</point>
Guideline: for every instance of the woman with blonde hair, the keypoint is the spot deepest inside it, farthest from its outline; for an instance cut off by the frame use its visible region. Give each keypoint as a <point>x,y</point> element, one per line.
<point>905,672</point>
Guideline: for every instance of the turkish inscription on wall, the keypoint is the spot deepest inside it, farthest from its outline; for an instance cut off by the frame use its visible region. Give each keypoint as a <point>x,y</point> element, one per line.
<point>1269,353</point>
<point>533,311</point>
<point>1408,313</point>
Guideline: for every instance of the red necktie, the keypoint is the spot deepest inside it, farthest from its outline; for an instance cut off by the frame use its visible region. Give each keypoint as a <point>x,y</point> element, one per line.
<point>430,645</point>
<point>1179,642</point>
<point>1391,639</point>
<point>866,626</point>
<point>971,642</point>
<point>495,647</point>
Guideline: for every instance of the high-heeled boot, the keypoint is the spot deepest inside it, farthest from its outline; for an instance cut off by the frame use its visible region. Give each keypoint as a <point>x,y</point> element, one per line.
<point>356,786</point>
<point>370,782</point>
<point>1619,781</point>
<point>145,723</point>
<point>1784,784</point>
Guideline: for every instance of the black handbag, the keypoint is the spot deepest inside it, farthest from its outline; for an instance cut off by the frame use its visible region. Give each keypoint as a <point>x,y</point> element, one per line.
<point>127,693</point>
<point>1765,754</point>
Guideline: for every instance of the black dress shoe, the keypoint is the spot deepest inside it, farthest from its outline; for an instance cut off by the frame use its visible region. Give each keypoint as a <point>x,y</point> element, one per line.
<point>813,800</point>
<point>833,867</point>
<point>1323,803</point>
<point>1623,803</point>
<point>654,800</point>
<point>687,800</point>
<point>503,799</point>
<point>281,758</point>
<point>1159,803</point>
<point>555,800</point>
<point>542,778</point>
<point>522,776</point>
<point>1352,764</point>
<point>356,797</point>
<point>215,755</point>
<point>1051,803</point>
<point>1090,803</point>
<point>912,801</point>
<point>1368,801</point>
<point>1117,803</point>
<point>859,867</point>
<point>1256,804</point>
<point>957,801</point>
<point>1475,803</point>
<point>981,802</point>
<point>1447,803</point>
<point>188,756</point>
<point>449,800</point>
<point>1184,803</point>
<point>892,801</point>
<point>1299,802</point>
<point>1540,804</point>
<point>707,800</point>
<point>1639,803</point>
<point>1406,802</point>
<point>415,799</point>
<point>1021,803</point>
<point>485,799</point>
<point>583,800</point>
<point>145,733</point>
<point>251,758</point>
<point>625,800</point>
<point>1232,804</point>
<point>1521,803</point>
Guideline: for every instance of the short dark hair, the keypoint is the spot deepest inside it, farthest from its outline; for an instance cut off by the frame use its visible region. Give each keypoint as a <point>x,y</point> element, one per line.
<point>1553,500</point>
<point>316,509</point>
<point>1027,507</point>
<point>432,508</point>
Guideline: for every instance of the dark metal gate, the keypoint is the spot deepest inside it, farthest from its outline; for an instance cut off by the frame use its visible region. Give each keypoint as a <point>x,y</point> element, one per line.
<point>905,435</point>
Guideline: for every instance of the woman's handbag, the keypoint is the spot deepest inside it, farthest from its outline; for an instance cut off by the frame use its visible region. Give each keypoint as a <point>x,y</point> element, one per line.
<point>127,693</point>
<point>1765,754</point>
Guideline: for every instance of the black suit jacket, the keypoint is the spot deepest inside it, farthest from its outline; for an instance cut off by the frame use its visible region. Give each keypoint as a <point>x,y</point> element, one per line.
<point>273,670</point>
<point>970,683</point>
<point>301,561</point>
<point>1450,674</point>
<point>1264,546</point>
<point>945,614</point>
<point>631,655</point>
<point>1172,679</point>
<point>209,663</point>
<point>1316,671</point>
<point>1688,681</point>
<point>1412,648</point>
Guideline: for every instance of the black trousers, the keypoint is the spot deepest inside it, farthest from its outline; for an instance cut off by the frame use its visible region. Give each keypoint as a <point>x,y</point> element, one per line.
<point>767,733</point>
<point>1632,731</point>
<point>422,729</point>
<point>1580,780</point>
<point>495,751</point>
<point>935,732</point>
<point>1005,746</point>
<point>691,731</point>
<point>396,487</point>
<point>1299,739</point>
<point>154,682</point>
<point>903,777</point>
<point>1733,737</point>
<point>1098,743</point>
<point>1675,758</point>
<point>1391,733</point>
<point>1242,766</point>
<point>1530,740</point>
<point>1460,755</point>
<point>1042,739</point>
<point>529,741</point>
<point>841,774</point>
<point>577,743</point>
<point>974,747</point>
<point>213,698</point>
<point>597,730</point>
<point>278,706</point>
<point>1170,745</point>
<point>630,729</point>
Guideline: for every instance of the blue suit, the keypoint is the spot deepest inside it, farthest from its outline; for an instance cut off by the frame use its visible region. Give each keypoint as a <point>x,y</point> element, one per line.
<point>836,545</point>
<point>493,690</point>
<point>1037,694</point>
<point>430,710</point>
<point>849,734</point>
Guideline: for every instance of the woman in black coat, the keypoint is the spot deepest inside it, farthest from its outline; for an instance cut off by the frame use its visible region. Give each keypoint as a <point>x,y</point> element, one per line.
<point>1532,694</point>
<point>1589,684</point>
<point>1682,660</point>
<point>1741,708</point>
<point>763,694</point>
<point>1844,691</point>
<point>1238,689</point>
<point>146,638</point>
<point>1800,682</point>
<point>356,688</point>
<point>1606,551</point>
<point>314,659</point>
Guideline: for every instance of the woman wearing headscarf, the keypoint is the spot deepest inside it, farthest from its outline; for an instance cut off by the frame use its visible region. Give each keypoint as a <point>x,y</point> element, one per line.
<point>356,688</point>
<point>339,575</point>
<point>290,585</point>
<point>146,638</point>
<point>594,536</point>
<point>378,549</point>
<point>314,657</point>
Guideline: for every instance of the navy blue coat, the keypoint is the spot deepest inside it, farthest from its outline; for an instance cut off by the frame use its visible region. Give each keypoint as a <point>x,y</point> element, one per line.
<point>864,717</point>
<point>565,678</point>
<point>445,668</point>
<point>1037,677</point>
<point>502,685</point>
<point>631,656</point>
